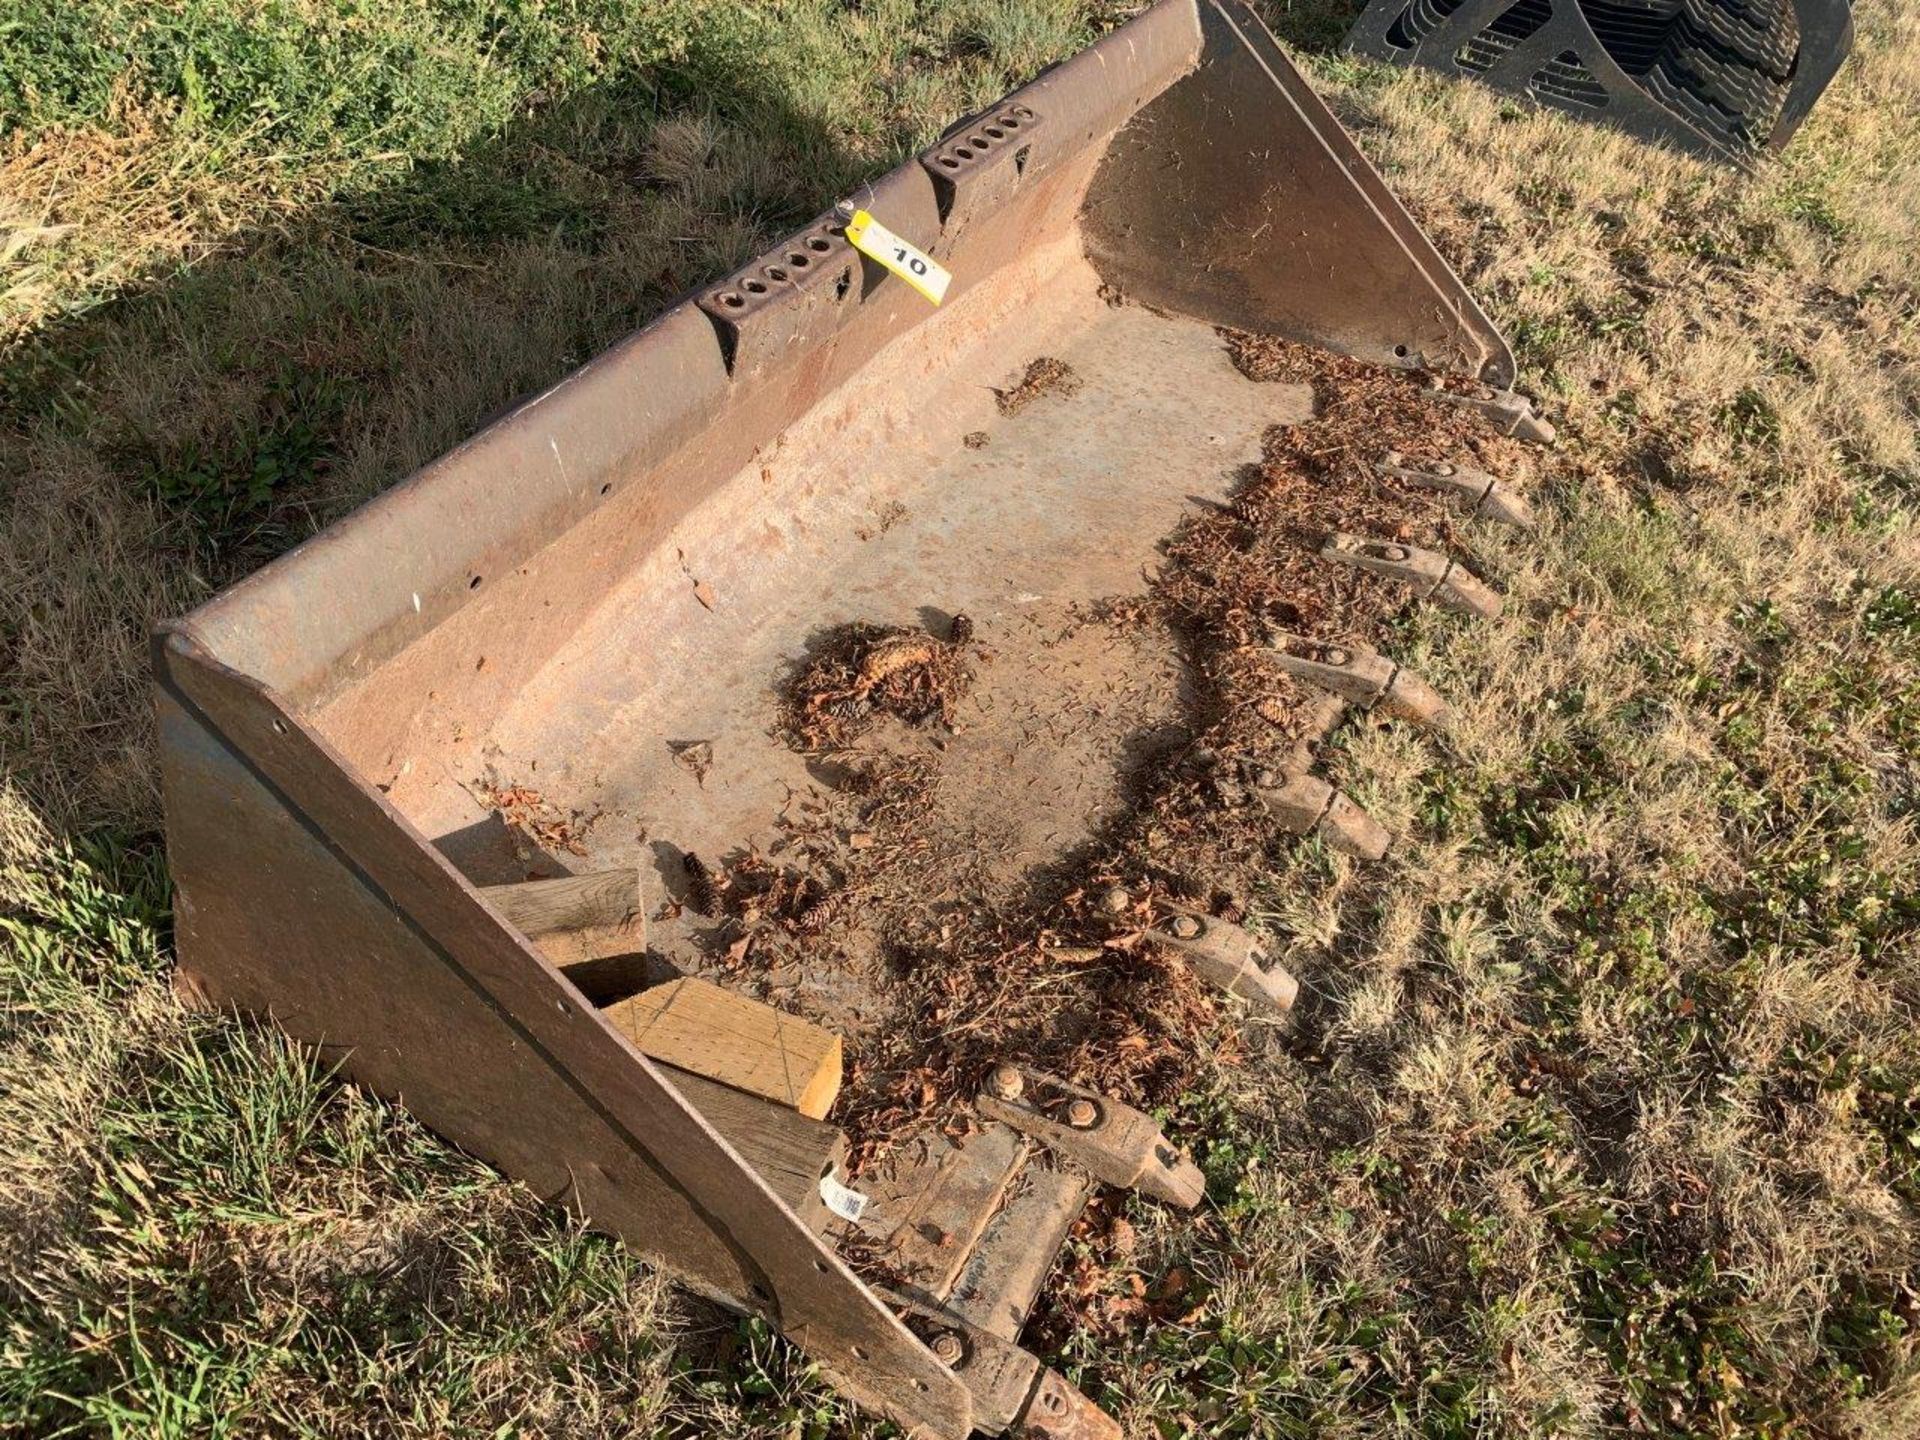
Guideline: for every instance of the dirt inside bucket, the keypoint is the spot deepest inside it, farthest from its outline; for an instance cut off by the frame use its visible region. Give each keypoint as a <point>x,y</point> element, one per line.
<point>909,900</point>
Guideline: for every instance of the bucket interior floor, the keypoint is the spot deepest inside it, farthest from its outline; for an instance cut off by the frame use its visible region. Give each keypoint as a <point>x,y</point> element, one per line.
<point>663,718</point>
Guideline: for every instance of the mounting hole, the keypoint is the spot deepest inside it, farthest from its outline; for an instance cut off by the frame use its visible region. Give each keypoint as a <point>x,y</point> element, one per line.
<point>1400,352</point>
<point>820,245</point>
<point>607,489</point>
<point>860,1353</point>
<point>843,284</point>
<point>563,1007</point>
<point>798,261</point>
<point>1020,159</point>
<point>755,287</point>
<point>1011,122</point>
<point>949,163</point>
<point>964,153</point>
<point>978,142</point>
<point>474,583</point>
<point>822,1266</point>
<point>279,727</point>
<point>996,132</point>
<point>774,272</point>
<point>922,1386</point>
<point>732,301</point>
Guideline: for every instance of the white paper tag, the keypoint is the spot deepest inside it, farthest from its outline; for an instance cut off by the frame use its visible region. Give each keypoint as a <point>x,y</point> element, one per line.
<point>902,257</point>
<point>843,1200</point>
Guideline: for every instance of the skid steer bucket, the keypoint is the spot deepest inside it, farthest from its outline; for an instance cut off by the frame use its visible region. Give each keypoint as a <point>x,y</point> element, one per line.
<point>790,791</point>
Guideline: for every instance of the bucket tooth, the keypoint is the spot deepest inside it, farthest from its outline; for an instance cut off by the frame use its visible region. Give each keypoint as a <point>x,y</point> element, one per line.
<point>1350,830</point>
<point>1411,698</point>
<point>1431,575</point>
<point>1303,803</point>
<point>1228,956</point>
<point>1364,677</point>
<point>1058,1411</point>
<point>1115,1143</point>
<point>1296,799</point>
<point>1013,1393</point>
<point>1487,496</point>
<point>1465,593</point>
<point>1506,505</point>
<point>1507,412</point>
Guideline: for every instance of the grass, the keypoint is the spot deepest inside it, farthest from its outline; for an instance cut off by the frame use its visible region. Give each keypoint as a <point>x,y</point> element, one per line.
<point>1603,1114</point>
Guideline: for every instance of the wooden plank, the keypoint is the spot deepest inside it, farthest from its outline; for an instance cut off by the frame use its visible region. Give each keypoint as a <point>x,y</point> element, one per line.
<point>713,1032</point>
<point>571,902</point>
<point>788,1150</point>
<point>802,1284</point>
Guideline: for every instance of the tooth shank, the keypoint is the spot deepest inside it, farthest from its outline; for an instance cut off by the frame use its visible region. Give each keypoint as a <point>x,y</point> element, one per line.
<point>1430,575</point>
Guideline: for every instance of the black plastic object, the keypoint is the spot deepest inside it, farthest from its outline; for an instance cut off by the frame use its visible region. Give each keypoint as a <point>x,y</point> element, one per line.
<point>1720,77</point>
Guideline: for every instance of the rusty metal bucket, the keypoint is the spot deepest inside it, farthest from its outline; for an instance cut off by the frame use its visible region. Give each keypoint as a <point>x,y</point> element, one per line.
<point>408,765</point>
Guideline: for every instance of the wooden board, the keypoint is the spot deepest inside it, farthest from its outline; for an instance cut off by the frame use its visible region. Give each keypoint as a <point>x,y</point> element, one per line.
<point>593,926</point>
<point>739,1042</point>
<point>571,902</point>
<point>789,1151</point>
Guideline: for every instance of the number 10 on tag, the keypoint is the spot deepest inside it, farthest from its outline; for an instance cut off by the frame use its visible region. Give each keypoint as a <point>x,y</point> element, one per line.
<point>902,257</point>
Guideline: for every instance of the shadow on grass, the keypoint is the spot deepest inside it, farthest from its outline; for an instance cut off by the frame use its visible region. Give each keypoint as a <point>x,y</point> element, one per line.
<point>1311,26</point>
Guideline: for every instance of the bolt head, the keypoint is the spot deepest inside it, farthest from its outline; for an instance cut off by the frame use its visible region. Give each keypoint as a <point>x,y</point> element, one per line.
<point>1007,1082</point>
<point>1115,900</point>
<point>1082,1113</point>
<point>1334,655</point>
<point>1186,927</point>
<point>1445,471</point>
<point>1394,552</point>
<point>948,1348</point>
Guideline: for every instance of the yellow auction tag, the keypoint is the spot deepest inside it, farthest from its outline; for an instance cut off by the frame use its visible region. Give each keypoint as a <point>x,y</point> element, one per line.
<point>902,257</point>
